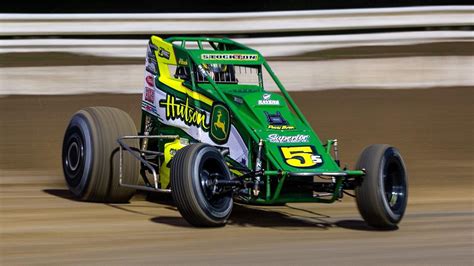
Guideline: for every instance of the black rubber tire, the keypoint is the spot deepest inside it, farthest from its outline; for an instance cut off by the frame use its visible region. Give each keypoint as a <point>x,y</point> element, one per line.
<point>189,167</point>
<point>385,173</point>
<point>90,155</point>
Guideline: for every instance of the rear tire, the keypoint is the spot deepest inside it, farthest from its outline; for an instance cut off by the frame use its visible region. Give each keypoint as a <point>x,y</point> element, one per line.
<point>382,196</point>
<point>191,167</point>
<point>90,155</point>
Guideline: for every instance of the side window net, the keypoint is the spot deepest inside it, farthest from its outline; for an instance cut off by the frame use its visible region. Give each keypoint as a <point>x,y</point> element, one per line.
<point>233,74</point>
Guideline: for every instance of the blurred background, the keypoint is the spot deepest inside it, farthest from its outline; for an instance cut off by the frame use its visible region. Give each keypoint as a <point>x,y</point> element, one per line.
<point>397,72</point>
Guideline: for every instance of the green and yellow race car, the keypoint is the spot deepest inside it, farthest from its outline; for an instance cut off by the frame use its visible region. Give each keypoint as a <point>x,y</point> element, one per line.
<point>211,134</point>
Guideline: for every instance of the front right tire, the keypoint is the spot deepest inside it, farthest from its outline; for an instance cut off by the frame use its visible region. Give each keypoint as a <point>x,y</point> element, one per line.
<point>383,194</point>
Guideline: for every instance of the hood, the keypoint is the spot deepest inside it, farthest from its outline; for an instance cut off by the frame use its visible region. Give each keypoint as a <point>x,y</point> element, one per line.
<point>293,146</point>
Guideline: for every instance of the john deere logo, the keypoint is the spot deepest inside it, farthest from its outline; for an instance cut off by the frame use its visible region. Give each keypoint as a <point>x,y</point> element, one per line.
<point>220,124</point>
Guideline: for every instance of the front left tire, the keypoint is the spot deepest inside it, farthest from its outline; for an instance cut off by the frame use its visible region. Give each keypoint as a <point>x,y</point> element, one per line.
<point>193,170</point>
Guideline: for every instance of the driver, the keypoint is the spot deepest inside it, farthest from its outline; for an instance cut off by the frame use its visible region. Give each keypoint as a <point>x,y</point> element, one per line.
<point>220,72</point>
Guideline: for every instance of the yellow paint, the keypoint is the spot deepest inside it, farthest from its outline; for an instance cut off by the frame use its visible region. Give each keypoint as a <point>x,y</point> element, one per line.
<point>220,124</point>
<point>168,79</point>
<point>168,47</point>
<point>236,172</point>
<point>177,84</point>
<point>170,150</point>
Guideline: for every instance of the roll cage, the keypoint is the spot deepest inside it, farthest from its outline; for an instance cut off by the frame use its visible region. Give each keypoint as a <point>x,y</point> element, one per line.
<point>223,60</point>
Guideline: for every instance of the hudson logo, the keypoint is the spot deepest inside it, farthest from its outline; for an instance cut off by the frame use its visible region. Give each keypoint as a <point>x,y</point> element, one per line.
<point>267,101</point>
<point>220,124</point>
<point>242,57</point>
<point>177,109</point>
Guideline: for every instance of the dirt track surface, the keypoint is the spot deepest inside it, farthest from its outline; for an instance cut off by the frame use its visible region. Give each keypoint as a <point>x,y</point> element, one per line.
<point>41,224</point>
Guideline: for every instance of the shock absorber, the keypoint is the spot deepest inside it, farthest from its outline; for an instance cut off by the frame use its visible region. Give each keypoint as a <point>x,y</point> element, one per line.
<point>336,153</point>
<point>258,169</point>
<point>148,128</point>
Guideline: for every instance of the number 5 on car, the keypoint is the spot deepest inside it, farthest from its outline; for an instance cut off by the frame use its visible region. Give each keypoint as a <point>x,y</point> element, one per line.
<point>301,156</point>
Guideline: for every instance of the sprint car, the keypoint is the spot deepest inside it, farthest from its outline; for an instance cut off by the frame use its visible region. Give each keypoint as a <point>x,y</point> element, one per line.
<point>212,133</point>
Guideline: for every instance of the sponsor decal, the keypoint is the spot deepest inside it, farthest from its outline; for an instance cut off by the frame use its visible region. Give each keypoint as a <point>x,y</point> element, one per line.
<point>276,138</point>
<point>163,53</point>
<point>238,100</point>
<point>275,119</point>
<point>150,81</point>
<point>220,123</point>
<point>218,126</point>
<point>151,69</point>
<point>149,95</point>
<point>183,62</point>
<point>283,127</point>
<point>153,46</point>
<point>301,156</point>
<point>151,65</point>
<point>241,57</point>
<point>267,101</point>
<point>149,108</point>
<point>151,60</point>
<point>167,103</point>
<point>150,53</point>
<point>182,110</point>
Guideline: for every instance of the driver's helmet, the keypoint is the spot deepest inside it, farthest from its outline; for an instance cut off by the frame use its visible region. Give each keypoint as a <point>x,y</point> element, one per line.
<point>215,68</point>
<point>221,73</point>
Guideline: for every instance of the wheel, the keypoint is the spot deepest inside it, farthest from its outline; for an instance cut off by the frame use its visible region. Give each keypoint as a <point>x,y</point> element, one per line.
<point>90,155</point>
<point>193,169</point>
<point>382,196</point>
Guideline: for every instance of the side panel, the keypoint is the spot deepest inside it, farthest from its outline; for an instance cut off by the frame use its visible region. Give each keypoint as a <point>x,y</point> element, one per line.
<point>173,102</point>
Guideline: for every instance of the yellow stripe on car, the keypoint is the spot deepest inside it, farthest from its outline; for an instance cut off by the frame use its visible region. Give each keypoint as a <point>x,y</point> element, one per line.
<point>168,79</point>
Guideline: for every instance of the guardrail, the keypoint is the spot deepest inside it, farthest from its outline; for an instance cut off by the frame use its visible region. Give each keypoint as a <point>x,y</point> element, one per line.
<point>269,47</point>
<point>27,30</point>
<point>234,23</point>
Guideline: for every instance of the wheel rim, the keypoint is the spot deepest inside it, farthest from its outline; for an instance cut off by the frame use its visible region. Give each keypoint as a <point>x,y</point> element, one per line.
<point>209,171</point>
<point>73,156</point>
<point>394,184</point>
